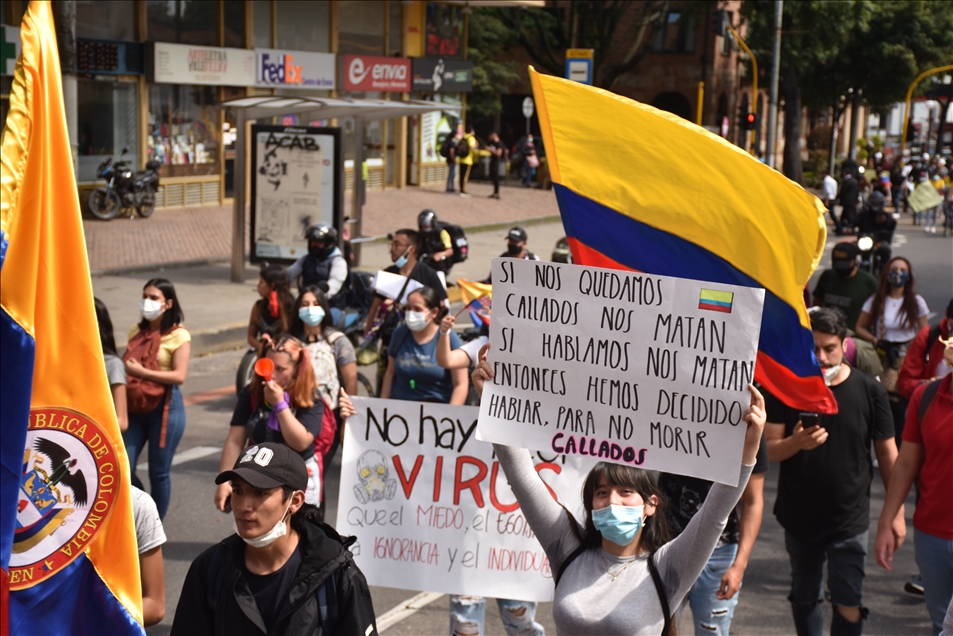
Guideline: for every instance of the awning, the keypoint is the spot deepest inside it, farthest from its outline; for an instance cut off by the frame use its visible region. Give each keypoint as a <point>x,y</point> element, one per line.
<point>329,107</point>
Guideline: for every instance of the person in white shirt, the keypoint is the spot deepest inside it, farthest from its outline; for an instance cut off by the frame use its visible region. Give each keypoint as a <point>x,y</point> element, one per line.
<point>829,192</point>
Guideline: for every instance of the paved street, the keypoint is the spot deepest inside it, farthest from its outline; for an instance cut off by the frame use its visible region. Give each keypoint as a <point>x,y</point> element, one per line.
<point>211,303</point>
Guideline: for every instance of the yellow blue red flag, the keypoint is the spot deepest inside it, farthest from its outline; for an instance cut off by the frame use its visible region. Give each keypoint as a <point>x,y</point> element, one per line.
<point>478,298</point>
<point>645,190</point>
<point>67,538</point>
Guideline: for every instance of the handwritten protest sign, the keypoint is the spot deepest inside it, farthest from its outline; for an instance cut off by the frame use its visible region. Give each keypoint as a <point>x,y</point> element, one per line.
<point>641,370</point>
<point>432,509</point>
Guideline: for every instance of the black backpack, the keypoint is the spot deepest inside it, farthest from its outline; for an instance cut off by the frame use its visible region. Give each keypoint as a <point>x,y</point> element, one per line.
<point>461,246</point>
<point>463,147</point>
<point>447,144</point>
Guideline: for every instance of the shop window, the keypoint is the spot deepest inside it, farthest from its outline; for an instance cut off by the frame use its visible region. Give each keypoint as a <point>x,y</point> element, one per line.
<point>261,14</point>
<point>234,25</point>
<point>106,20</point>
<point>183,123</point>
<point>304,26</point>
<point>677,34</point>
<point>361,27</point>
<point>107,121</point>
<point>444,30</point>
<point>183,21</point>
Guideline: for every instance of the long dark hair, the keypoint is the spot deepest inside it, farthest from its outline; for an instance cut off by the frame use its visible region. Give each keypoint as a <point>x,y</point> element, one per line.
<point>105,327</point>
<point>277,277</point>
<point>172,316</point>
<point>432,301</point>
<point>656,532</point>
<point>297,325</point>
<point>909,309</point>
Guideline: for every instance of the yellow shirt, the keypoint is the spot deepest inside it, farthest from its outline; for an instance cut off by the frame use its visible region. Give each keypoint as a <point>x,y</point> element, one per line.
<point>168,344</point>
<point>472,142</point>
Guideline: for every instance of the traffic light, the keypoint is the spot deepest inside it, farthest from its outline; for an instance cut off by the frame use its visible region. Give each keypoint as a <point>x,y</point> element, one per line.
<point>719,22</point>
<point>748,121</point>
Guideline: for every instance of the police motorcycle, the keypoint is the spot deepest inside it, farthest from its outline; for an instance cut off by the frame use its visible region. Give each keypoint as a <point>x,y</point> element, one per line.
<point>125,189</point>
<point>874,239</point>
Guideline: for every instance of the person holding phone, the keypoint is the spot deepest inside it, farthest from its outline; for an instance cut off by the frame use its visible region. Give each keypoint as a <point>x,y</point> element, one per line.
<point>823,499</point>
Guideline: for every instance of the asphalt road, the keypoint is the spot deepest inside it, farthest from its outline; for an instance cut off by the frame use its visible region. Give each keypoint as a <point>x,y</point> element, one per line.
<point>192,523</point>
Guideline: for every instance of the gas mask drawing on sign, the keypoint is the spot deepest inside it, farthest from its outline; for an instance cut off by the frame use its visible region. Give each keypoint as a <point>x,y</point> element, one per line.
<point>376,484</point>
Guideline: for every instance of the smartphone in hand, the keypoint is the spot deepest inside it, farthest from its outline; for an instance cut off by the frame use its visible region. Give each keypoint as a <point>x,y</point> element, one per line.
<point>809,419</point>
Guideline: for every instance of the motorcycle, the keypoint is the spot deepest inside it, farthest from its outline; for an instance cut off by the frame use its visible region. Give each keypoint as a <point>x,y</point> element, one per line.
<point>874,250</point>
<point>124,189</point>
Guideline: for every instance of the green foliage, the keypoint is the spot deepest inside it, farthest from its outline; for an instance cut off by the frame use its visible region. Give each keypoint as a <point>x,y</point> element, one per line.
<point>489,39</point>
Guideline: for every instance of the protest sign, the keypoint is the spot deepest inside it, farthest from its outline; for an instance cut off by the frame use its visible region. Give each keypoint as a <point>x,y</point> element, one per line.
<point>431,507</point>
<point>390,285</point>
<point>642,370</point>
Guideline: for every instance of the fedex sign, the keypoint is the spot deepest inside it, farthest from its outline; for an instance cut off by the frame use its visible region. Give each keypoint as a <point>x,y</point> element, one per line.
<point>294,69</point>
<point>367,73</point>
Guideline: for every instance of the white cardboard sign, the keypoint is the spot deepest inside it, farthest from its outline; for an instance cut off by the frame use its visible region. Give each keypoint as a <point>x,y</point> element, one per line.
<point>431,507</point>
<point>643,370</point>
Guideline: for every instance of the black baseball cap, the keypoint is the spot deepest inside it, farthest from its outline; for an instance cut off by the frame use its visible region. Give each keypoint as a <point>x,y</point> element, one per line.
<point>844,255</point>
<point>267,466</point>
<point>516,235</point>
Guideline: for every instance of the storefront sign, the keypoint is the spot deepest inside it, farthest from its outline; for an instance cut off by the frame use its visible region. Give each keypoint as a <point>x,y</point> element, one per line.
<point>442,75</point>
<point>214,66</point>
<point>445,29</point>
<point>368,73</point>
<point>296,183</point>
<point>9,49</point>
<point>431,507</point>
<point>294,69</point>
<point>625,367</point>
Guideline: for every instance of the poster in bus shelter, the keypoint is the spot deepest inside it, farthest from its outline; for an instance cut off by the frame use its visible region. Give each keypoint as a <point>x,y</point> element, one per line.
<point>296,182</point>
<point>431,507</point>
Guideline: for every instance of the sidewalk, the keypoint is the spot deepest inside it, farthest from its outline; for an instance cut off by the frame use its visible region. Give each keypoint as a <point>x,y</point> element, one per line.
<point>197,235</point>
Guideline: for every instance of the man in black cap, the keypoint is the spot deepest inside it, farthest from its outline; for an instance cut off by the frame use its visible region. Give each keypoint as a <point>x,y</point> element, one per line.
<point>282,572</point>
<point>845,286</point>
<point>516,245</point>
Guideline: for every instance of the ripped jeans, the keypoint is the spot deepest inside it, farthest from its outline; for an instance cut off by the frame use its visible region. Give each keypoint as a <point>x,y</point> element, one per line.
<point>468,616</point>
<point>713,615</point>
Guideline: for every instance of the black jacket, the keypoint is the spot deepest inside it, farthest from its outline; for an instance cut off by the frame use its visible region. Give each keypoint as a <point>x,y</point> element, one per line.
<point>216,598</point>
<point>849,190</point>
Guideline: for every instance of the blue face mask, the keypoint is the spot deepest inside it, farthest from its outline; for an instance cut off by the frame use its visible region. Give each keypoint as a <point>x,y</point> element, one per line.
<point>402,260</point>
<point>898,278</point>
<point>311,316</point>
<point>618,524</point>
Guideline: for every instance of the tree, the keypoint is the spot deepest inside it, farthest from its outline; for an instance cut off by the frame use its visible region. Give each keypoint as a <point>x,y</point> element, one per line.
<point>489,39</point>
<point>618,31</point>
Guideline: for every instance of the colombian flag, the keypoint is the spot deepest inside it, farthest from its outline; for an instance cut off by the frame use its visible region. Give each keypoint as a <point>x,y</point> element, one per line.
<point>478,298</point>
<point>641,189</point>
<point>67,540</point>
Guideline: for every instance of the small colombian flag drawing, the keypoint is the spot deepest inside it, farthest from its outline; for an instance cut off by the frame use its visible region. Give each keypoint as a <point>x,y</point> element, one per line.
<point>715,300</point>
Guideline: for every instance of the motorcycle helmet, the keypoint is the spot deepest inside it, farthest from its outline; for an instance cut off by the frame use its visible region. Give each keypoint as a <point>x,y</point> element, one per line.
<point>876,202</point>
<point>322,239</point>
<point>427,221</point>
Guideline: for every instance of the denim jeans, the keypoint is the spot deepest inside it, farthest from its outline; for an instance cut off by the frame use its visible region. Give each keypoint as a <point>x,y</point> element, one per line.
<point>713,615</point>
<point>846,560</point>
<point>935,559</point>
<point>147,427</point>
<point>451,175</point>
<point>468,616</point>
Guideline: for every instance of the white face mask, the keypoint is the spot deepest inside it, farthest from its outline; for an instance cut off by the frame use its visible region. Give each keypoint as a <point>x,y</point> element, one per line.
<point>417,320</point>
<point>830,373</point>
<point>280,530</point>
<point>151,309</point>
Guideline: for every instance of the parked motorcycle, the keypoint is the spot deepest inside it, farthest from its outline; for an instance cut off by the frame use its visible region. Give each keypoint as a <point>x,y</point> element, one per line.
<point>124,189</point>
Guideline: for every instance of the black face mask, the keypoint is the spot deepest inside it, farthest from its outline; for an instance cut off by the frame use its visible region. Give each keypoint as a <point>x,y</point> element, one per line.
<point>844,273</point>
<point>317,251</point>
<point>513,249</point>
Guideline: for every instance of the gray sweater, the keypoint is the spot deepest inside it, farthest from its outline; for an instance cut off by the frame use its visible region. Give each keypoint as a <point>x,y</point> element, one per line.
<point>588,600</point>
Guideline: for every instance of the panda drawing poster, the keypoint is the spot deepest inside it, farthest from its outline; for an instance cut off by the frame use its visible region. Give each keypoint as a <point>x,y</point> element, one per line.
<point>431,507</point>
<point>294,185</point>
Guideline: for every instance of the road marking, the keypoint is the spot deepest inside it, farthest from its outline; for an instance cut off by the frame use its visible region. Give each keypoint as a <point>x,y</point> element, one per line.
<point>406,609</point>
<point>186,456</point>
<point>208,396</point>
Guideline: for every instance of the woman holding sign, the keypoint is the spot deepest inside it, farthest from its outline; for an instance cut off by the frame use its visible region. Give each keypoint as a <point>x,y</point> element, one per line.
<point>618,573</point>
<point>412,369</point>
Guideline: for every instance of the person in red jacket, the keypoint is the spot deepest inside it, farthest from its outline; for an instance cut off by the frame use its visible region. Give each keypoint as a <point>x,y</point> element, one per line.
<point>924,361</point>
